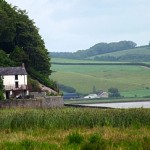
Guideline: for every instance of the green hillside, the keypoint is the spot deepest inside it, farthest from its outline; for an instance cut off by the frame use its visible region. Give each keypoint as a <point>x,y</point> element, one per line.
<point>131,81</point>
<point>139,50</point>
<point>97,49</point>
<point>133,55</point>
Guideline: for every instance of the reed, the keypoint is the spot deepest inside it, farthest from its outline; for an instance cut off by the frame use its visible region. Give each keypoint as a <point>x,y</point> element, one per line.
<point>68,118</point>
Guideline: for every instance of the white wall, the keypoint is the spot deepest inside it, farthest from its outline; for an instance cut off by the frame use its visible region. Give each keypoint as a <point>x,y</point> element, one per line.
<point>10,80</point>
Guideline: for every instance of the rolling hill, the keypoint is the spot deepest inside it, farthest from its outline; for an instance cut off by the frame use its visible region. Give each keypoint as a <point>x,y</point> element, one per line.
<point>123,51</point>
<point>97,49</point>
<point>138,54</point>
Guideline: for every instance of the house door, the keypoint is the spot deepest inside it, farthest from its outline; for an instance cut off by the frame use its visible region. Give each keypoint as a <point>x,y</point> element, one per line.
<point>16,84</point>
<point>7,94</point>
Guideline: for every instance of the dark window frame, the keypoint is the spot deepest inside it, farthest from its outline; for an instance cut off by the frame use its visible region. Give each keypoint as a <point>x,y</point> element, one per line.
<point>16,77</point>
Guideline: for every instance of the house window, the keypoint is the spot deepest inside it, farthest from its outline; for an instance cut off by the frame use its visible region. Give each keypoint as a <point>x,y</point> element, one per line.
<point>16,77</point>
<point>16,84</point>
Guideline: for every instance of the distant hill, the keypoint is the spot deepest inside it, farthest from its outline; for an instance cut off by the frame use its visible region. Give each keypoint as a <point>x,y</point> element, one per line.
<point>125,51</point>
<point>100,48</point>
<point>138,54</point>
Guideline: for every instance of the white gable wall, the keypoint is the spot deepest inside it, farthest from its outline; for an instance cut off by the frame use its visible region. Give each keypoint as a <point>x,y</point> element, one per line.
<point>9,80</point>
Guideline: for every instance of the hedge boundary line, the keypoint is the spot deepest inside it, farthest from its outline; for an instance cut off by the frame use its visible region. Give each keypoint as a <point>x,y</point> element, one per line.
<point>130,64</point>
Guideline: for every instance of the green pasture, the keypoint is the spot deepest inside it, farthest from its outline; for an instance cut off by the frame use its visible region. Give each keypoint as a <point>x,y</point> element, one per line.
<point>132,81</point>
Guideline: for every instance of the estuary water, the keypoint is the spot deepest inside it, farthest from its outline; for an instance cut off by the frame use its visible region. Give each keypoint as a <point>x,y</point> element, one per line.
<point>145,104</point>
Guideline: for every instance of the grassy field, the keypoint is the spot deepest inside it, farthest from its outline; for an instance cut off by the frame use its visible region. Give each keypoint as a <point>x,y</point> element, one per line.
<point>75,129</point>
<point>132,81</point>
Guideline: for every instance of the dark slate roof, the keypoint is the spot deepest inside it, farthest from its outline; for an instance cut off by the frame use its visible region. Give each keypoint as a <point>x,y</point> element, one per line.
<point>70,95</point>
<point>12,71</point>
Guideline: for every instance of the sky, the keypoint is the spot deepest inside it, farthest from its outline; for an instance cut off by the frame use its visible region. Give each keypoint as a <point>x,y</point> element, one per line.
<point>71,25</point>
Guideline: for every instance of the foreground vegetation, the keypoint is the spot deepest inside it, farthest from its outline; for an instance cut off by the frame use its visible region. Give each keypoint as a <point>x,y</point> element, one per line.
<point>74,128</point>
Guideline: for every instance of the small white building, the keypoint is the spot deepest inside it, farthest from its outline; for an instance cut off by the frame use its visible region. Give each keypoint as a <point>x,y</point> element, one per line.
<point>14,81</point>
<point>94,96</point>
<point>103,95</point>
<point>91,96</point>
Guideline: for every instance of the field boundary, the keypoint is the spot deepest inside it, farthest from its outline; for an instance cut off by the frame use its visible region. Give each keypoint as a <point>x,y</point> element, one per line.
<point>116,63</point>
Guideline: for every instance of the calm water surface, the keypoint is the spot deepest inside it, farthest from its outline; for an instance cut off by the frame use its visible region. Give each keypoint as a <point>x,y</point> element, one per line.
<point>122,105</point>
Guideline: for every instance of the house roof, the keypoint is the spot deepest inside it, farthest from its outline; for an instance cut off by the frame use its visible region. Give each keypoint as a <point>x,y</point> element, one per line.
<point>70,95</point>
<point>12,71</point>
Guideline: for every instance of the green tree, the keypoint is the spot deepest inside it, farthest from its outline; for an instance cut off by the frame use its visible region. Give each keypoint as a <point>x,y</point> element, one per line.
<point>20,39</point>
<point>5,60</point>
<point>113,92</point>
<point>19,56</point>
<point>94,89</point>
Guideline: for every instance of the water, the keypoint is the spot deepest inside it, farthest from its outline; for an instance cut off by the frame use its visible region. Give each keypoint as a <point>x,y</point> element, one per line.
<point>122,105</point>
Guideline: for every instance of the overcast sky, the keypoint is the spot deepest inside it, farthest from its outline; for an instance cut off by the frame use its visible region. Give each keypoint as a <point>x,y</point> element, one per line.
<point>71,25</point>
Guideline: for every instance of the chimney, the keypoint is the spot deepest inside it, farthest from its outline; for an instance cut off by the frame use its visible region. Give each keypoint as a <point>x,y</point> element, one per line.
<point>23,65</point>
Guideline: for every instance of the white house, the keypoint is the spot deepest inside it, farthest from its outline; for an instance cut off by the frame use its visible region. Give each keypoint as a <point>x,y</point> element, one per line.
<point>100,95</point>
<point>14,81</point>
<point>91,96</point>
<point>103,95</point>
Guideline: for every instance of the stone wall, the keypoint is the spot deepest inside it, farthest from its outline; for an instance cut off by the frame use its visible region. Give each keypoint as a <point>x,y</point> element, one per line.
<point>47,102</point>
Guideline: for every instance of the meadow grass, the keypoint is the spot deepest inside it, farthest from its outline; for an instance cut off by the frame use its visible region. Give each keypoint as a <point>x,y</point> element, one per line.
<point>74,128</point>
<point>130,80</point>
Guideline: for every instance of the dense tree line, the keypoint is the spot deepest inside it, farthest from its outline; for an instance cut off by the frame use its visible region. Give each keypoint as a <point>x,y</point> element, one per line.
<point>100,48</point>
<point>20,42</point>
<point>125,58</point>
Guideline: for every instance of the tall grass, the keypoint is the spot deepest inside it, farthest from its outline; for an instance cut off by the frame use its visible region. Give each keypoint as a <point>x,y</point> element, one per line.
<point>74,128</point>
<point>68,118</point>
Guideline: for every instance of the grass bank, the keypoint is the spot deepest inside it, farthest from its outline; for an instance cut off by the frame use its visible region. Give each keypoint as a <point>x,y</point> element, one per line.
<point>75,128</point>
<point>105,100</point>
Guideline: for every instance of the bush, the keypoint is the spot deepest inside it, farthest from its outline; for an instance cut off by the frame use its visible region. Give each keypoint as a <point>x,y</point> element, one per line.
<point>75,138</point>
<point>42,78</point>
<point>33,85</point>
<point>95,142</point>
<point>1,95</point>
<point>113,92</point>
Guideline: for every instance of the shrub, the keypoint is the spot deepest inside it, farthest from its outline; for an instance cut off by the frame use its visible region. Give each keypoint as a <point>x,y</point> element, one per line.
<point>75,138</point>
<point>94,138</point>
<point>113,92</point>
<point>95,142</point>
<point>1,95</point>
